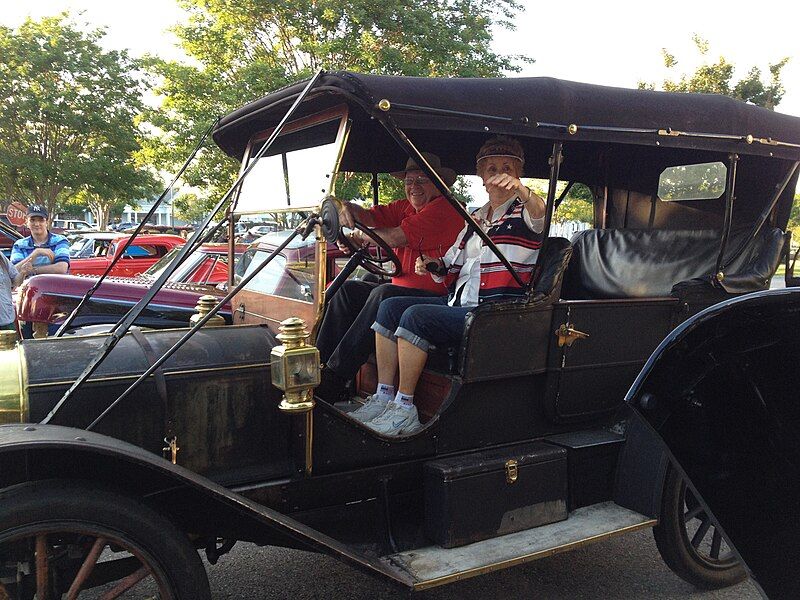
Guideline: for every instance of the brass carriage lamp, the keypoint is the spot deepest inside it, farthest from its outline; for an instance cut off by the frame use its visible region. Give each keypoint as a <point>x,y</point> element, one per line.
<point>295,366</point>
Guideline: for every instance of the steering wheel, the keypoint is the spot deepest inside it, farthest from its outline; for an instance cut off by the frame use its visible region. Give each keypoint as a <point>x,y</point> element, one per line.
<point>386,265</point>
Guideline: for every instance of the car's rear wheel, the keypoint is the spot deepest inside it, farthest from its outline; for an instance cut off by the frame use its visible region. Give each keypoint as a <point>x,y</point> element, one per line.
<point>59,539</point>
<point>689,542</point>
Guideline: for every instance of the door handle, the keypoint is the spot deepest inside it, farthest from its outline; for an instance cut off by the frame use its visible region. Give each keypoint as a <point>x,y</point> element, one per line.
<point>567,334</point>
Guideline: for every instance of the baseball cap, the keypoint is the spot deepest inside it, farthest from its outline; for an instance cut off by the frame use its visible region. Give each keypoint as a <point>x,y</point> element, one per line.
<point>37,210</point>
<point>501,145</point>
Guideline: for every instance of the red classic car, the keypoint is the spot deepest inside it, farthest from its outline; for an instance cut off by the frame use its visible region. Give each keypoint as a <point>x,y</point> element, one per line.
<point>47,299</point>
<point>95,251</point>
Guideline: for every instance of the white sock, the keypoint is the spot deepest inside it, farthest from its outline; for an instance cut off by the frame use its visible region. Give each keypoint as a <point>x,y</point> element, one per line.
<point>384,393</point>
<point>404,400</point>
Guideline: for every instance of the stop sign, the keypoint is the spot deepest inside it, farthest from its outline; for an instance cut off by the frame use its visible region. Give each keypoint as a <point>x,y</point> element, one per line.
<point>16,213</point>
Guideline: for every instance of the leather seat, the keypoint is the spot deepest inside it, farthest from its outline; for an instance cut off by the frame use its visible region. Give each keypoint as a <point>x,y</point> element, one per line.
<point>637,263</point>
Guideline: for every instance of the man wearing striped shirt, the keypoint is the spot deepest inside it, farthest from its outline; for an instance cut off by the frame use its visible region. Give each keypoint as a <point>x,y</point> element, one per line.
<point>41,251</point>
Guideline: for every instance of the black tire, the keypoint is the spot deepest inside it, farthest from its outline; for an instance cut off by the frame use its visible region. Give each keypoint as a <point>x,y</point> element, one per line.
<point>688,541</point>
<point>69,519</point>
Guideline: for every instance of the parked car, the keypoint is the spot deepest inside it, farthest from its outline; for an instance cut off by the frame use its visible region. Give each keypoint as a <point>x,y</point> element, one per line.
<point>139,256</point>
<point>264,229</point>
<point>67,225</point>
<point>148,446</point>
<point>44,301</point>
<point>122,226</point>
<point>90,244</point>
<point>8,235</point>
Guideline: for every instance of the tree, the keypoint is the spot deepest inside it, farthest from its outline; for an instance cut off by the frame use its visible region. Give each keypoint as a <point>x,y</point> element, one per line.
<point>244,49</point>
<point>716,78</point>
<point>67,110</point>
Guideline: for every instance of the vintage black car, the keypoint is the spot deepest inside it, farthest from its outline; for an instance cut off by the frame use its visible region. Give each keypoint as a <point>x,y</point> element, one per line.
<point>115,470</point>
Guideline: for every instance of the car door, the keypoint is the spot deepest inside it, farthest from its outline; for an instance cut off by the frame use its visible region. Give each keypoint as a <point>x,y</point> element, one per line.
<point>596,349</point>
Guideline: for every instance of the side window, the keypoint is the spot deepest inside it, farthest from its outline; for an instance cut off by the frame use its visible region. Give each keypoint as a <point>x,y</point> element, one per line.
<point>141,252</point>
<point>705,181</point>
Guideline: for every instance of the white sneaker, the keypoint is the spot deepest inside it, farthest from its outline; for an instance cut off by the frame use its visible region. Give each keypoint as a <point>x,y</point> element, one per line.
<point>395,419</point>
<point>372,408</point>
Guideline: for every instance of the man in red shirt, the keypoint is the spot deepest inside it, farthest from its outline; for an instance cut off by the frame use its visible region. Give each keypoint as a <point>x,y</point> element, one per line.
<point>423,222</point>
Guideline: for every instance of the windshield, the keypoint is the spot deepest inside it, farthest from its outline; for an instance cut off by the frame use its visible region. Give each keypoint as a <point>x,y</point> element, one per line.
<point>291,274</point>
<point>296,172</point>
<point>182,272</point>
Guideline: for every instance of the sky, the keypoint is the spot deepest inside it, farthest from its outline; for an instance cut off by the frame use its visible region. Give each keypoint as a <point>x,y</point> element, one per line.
<point>610,43</point>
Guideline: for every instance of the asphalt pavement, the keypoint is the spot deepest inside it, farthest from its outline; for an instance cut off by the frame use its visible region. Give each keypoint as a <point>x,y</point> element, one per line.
<point>624,568</point>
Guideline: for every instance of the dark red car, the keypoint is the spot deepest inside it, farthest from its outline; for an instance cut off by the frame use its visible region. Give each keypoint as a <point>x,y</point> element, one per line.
<point>48,299</point>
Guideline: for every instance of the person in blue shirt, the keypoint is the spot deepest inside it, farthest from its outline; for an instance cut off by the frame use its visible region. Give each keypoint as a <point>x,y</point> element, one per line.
<point>41,251</point>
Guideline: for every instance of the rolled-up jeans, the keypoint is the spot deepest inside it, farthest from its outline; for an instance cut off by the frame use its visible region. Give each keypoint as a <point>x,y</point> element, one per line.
<point>422,321</point>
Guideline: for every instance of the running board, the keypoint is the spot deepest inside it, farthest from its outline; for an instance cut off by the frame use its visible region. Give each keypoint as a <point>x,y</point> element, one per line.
<point>433,566</point>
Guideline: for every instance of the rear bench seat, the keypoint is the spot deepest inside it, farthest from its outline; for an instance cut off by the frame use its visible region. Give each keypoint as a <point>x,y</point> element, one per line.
<point>637,263</point>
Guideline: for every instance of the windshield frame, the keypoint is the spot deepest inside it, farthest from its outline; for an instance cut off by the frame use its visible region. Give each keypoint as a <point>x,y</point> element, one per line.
<point>340,112</point>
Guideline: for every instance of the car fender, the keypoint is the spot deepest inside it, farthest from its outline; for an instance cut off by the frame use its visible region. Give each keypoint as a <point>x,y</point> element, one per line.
<point>719,393</point>
<point>197,505</point>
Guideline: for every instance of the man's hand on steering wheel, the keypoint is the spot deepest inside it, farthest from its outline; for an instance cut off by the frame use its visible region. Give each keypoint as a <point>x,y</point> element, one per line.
<point>356,240</point>
<point>335,215</point>
<point>387,264</point>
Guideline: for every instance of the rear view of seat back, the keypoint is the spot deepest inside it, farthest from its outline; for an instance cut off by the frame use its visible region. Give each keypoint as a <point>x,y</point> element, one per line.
<point>638,263</point>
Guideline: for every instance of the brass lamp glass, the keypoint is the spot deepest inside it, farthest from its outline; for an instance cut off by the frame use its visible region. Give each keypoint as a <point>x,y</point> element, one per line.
<point>295,366</point>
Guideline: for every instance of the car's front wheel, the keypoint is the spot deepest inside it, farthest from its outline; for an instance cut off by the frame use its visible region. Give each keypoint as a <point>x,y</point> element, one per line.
<point>689,542</point>
<point>60,538</point>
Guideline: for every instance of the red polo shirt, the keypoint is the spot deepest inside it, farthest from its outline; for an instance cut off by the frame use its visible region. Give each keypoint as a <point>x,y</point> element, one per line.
<point>432,231</point>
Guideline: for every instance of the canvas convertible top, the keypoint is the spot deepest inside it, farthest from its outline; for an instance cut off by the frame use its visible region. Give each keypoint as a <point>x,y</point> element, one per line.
<point>538,107</point>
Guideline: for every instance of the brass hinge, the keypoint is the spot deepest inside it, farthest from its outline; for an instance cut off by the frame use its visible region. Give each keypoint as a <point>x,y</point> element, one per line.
<point>567,334</point>
<point>171,449</point>
<point>511,471</point>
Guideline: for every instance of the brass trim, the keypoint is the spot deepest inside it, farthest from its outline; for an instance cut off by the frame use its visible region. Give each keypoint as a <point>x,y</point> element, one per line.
<point>166,374</point>
<point>14,406</point>
<point>512,472</point>
<point>309,441</point>
<point>512,562</point>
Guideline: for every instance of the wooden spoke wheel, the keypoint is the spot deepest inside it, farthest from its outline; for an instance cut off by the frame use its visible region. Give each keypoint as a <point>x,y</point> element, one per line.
<point>65,540</point>
<point>689,542</point>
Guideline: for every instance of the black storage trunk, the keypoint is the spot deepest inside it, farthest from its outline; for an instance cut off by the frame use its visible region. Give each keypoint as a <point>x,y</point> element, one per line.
<point>495,492</point>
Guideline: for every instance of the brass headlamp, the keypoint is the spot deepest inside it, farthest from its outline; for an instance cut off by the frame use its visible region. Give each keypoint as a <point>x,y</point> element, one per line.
<point>295,366</point>
<point>13,380</point>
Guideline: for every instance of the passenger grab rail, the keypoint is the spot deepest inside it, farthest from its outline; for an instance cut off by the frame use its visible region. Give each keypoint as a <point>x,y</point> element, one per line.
<point>125,323</point>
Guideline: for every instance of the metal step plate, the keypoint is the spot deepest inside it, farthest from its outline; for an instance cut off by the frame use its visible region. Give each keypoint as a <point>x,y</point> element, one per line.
<point>432,566</point>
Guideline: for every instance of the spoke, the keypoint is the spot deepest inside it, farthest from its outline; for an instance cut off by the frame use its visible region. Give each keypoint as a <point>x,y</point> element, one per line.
<point>127,583</point>
<point>701,532</point>
<point>86,568</point>
<point>41,567</point>
<point>716,542</point>
<point>693,513</point>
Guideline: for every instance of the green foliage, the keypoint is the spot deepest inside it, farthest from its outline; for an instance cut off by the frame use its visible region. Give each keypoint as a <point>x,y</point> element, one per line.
<point>794,220</point>
<point>242,50</point>
<point>577,206</point>
<point>67,110</point>
<point>717,78</point>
